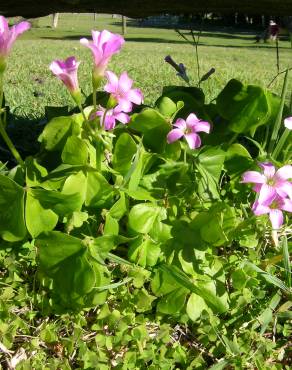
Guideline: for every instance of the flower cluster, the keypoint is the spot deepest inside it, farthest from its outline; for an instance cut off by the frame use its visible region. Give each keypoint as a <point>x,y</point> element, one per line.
<point>274,191</point>
<point>104,45</point>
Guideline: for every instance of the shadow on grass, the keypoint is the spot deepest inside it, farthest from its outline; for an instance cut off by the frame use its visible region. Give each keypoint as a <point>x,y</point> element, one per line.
<point>159,40</point>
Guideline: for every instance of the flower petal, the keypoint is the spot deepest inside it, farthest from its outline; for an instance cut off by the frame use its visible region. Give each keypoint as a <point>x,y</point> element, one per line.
<point>193,140</point>
<point>287,205</point>
<point>253,177</point>
<point>174,135</point>
<point>180,123</point>
<point>259,209</point>
<point>202,126</point>
<point>3,25</point>
<point>288,123</point>
<point>267,194</point>
<point>19,28</point>
<point>125,83</point>
<point>276,218</point>
<point>122,117</point>
<point>284,173</point>
<point>192,120</point>
<point>269,169</point>
<point>124,105</point>
<point>113,82</point>
<point>135,96</point>
<point>284,189</point>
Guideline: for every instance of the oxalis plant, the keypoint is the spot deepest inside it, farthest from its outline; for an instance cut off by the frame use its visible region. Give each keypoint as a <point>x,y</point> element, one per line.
<point>195,194</point>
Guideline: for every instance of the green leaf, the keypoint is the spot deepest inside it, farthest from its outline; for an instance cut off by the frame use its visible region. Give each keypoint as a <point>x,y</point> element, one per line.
<point>166,106</point>
<point>237,160</point>
<point>245,106</point>
<point>62,204</point>
<point>269,278</point>
<point>118,210</point>
<point>111,226</point>
<point>144,252</point>
<point>34,172</point>
<point>57,131</point>
<point>202,289</point>
<point>38,219</point>
<point>195,306</point>
<point>124,151</point>
<point>142,217</point>
<point>173,302</point>
<point>99,192</point>
<point>64,259</point>
<point>75,151</point>
<point>12,225</point>
<point>154,128</point>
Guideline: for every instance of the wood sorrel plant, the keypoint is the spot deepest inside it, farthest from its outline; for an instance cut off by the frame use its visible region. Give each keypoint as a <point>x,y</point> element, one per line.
<point>115,183</point>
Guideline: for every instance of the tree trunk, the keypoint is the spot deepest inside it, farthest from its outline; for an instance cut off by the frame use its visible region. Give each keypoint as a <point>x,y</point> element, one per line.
<point>55,20</point>
<point>124,25</point>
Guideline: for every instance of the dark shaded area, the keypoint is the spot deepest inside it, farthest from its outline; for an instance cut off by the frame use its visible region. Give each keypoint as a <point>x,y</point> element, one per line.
<point>143,8</point>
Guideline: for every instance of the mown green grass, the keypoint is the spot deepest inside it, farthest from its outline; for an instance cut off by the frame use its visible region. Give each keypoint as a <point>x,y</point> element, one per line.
<point>233,55</point>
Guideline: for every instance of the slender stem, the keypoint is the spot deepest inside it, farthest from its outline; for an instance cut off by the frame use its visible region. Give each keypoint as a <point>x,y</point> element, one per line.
<point>279,116</point>
<point>281,143</point>
<point>94,98</point>
<point>82,111</point>
<point>2,129</point>
<point>234,137</point>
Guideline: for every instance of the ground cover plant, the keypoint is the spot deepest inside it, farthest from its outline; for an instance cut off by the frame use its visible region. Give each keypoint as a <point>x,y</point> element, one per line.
<point>147,236</point>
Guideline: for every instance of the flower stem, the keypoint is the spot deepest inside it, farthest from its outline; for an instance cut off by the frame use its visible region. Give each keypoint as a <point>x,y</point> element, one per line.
<point>281,143</point>
<point>82,112</point>
<point>2,128</point>
<point>277,124</point>
<point>94,98</point>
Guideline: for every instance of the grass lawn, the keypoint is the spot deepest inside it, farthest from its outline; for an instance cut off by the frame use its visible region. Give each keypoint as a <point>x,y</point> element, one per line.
<point>30,86</point>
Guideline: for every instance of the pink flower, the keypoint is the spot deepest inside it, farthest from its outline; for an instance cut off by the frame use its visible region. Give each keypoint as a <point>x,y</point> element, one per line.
<point>189,128</point>
<point>8,37</point>
<point>288,123</point>
<point>66,71</point>
<point>270,183</point>
<point>111,116</point>
<point>274,210</point>
<point>121,90</point>
<point>104,44</point>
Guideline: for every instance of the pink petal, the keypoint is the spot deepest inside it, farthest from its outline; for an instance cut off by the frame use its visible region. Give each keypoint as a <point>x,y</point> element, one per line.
<point>288,123</point>
<point>135,96</point>
<point>192,119</point>
<point>109,123</point>
<point>259,209</point>
<point>180,123</point>
<point>125,83</point>
<point>284,189</point>
<point>287,205</point>
<point>257,187</point>
<point>174,135</point>
<point>269,169</point>
<point>276,218</point>
<point>122,117</point>
<point>193,140</point>
<point>3,25</point>
<point>113,82</point>
<point>124,105</point>
<point>267,194</point>
<point>21,27</point>
<point>253,177</point>
<point>284,173</point>
<point>202,126</point>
